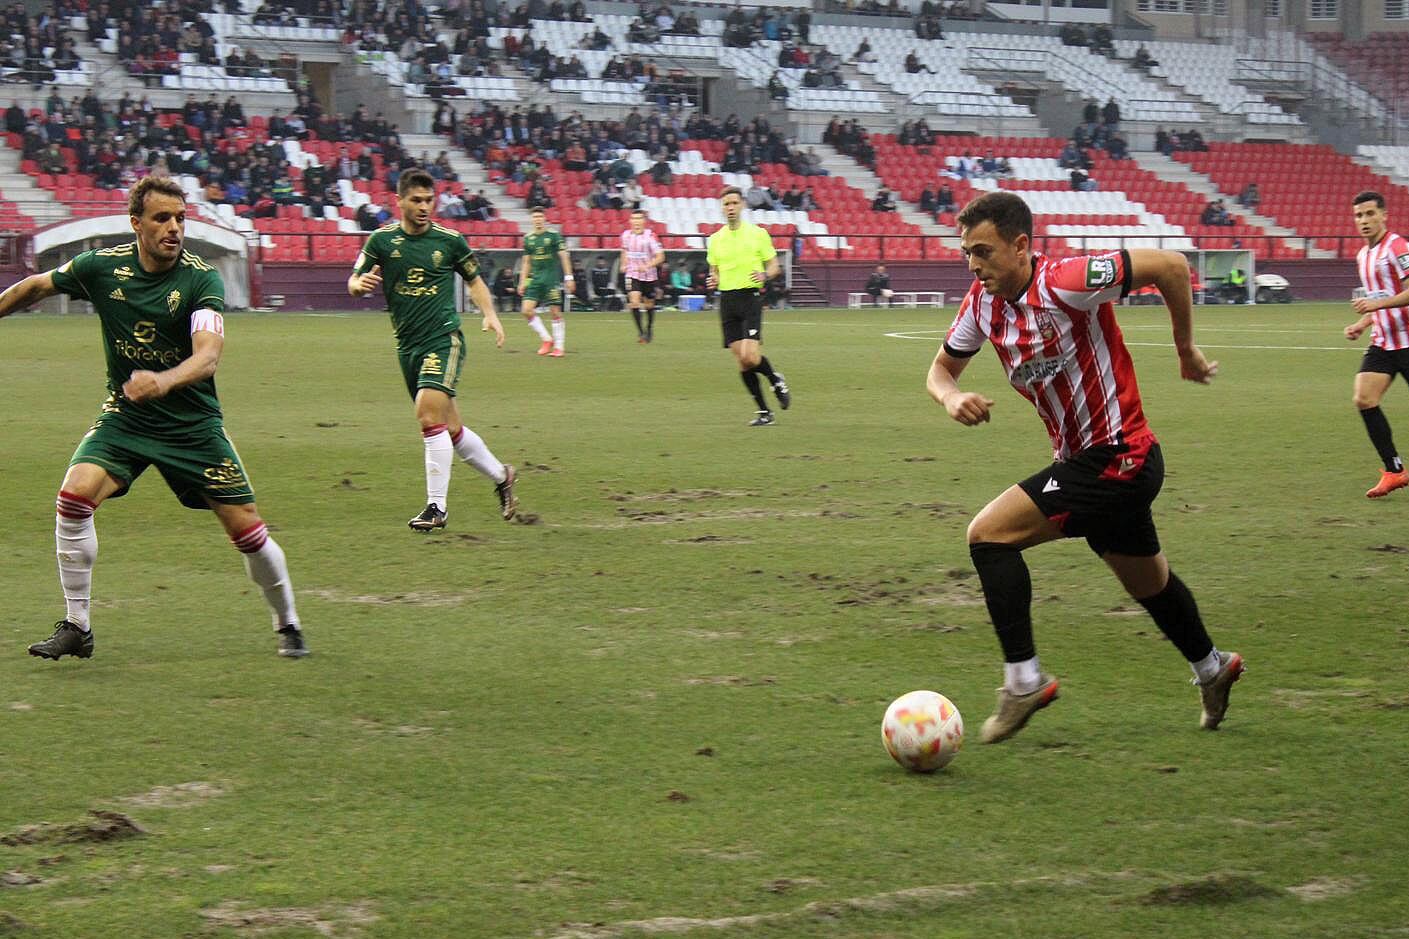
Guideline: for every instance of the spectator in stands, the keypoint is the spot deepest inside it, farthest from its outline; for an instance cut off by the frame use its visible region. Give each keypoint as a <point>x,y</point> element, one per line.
<point>661,173</point>
<point>603,288</point>
<point>808,203</point>
<point>52,161</point>
<point>1073,34</point>
<point>1216,213</point>
<point>1142,59</point>
<point>1080,182</point>
<point>760,197</point>
<point>777,89</point>
<point>630,194</point>
<point>1070,157</point>
<point>601,197</point>
<point>863,53</point>
<point>878,286</point>
<point>1250,198</point>
<point>479,207</point>
<point>1191,140</point>
<point>914,66</point>
<point>15,119</point>
<point>450,205</point>
<point>687,24</point>
<point>1102,40</point>
<point>680,282</point>
<point>1116,147</point>
<point>506,288</point>
<point>283,191</point>
<point>883,201</point>
<point>1110,114</point>
<point>929,203</point>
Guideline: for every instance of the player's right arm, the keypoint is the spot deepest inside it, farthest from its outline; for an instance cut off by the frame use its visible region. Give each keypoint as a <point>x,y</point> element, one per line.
<point>27,292</point>
<point>963,340</point>
<point>366,273</point>
<point>1169,272</point>
<point>524,266</point>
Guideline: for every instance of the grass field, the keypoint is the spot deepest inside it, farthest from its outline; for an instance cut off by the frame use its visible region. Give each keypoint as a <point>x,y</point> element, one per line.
<point>655,709</point>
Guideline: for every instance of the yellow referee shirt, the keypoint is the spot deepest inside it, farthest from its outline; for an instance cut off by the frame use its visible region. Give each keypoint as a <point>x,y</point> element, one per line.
<point>738,252</point>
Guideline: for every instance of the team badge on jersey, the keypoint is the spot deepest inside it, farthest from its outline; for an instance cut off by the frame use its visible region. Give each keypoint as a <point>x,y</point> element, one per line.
<point>173,302</point>
<point>1045,326</point>
<point>1100,272</point>
<point>436,257</point>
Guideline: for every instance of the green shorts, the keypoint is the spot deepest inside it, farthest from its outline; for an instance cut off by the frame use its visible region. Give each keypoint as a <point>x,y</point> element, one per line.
<point>543,293</point>
<point>434,365</point>
<point>199,466</point>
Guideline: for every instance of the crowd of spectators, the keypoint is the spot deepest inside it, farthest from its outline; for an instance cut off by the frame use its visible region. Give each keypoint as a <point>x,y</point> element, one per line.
<point>1167,142</point>
<point>1216,213</point>
<point>1100,129</point>
<point>742,30</point>
<point>850,138</point>
<point>1098,38</point>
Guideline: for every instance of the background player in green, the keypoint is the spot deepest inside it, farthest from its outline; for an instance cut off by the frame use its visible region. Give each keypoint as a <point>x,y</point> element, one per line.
<point>163,332</point>
<point>546,267</point>
<point>420,260</point>
<point>741,259</point>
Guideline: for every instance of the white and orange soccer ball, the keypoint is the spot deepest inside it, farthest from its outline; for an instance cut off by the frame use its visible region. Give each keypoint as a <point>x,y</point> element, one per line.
<point>923,731</point>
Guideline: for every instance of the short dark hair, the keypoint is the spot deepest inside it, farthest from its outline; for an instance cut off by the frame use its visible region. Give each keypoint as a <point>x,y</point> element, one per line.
<point>1369,195</point>
<point>732,191</point>
<point>635,212</point>
<point>137,198</point>
<point>1008,213</point>
<point>414,179</point>
<point>538,210</point>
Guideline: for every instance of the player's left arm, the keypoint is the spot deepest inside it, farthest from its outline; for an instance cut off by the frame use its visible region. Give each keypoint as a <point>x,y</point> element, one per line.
<point>207,342</point>
<point>1169,272</point>
<point>27,292</point>
<point>769,257</point>
<point>1399,262</point>
<point>658,258</point>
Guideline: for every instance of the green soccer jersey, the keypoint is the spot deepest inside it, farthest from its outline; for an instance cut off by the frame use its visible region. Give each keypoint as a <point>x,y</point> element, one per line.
<point>146,323</point>
<point>542,252</point>
<point>418,279</point>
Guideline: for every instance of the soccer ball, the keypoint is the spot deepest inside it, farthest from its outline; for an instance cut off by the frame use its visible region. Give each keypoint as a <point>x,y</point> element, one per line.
<point>923,731</point>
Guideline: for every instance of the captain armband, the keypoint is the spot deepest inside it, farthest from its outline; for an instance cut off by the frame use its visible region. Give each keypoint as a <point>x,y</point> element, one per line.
<point>209,321</point>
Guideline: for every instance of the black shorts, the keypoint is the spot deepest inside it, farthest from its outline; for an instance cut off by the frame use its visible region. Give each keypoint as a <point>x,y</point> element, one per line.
<point>741,315</point>
<point>1386,361</point>
<point>648,289</point>
<point>1104,494</point>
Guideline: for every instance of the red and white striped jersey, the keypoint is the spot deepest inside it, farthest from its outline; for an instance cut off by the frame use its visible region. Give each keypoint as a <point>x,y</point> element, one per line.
<point>1384,268</point>
<point>639,251</point>
<point>1062,349</point>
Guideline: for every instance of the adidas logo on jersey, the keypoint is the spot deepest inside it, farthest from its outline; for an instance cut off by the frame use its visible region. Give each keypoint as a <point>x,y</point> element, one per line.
<point>117,295</point>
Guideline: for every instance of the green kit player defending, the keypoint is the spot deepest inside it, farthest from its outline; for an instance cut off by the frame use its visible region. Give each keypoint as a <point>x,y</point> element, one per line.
<point>414,262</point>
<point>546,268</point>
<point>163,331</point>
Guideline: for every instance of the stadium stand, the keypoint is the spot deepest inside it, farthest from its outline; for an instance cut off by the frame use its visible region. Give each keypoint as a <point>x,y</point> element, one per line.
<point>1379,62</point>
<point>1208,71</point>
<point>1305,188</point>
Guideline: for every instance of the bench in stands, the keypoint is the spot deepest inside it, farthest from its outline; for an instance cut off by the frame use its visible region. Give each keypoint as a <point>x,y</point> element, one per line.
<point>905,298</point>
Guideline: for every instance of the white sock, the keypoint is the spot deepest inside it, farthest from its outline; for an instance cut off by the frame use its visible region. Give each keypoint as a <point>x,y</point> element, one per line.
<point>76,545</point>
<point>1206,668</point>
<point>470,447</point>
<point>438,458</point>
<point>1022,677</point>
<point>560,331</point>
<point>536,324</point>
<point>264,562</point>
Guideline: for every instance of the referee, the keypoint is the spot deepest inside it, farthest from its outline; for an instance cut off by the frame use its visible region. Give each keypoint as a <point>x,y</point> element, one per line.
<point>741,260</point>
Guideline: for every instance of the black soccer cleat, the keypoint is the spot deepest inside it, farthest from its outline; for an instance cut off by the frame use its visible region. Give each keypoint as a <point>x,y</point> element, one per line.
<point>780,388</point>
<point>68,639</point>
<point>291,644</point>
<point>763,419</point>
<point>430,519</point>
<point>508,505</point>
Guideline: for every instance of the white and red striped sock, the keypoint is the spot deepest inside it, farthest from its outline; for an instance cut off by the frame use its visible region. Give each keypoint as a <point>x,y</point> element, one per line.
<point>536,324</point>
<point>76,544</point>
<point>439,453</point>
<point>560,332</point>
<point>264,562</point>
<point>470,447</point>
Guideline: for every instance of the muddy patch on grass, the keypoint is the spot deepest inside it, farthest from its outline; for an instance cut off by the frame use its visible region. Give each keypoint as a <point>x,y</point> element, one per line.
<point>895,591</point>
<point>737,681</point>
<point>179,796</point>
<point>20,706</point>
<point>1208,891</point>
<point>333,921</point>
<point>1325,888</point>
<point>682,495</point>
<point>932,509</point>
<point>11,925</point>
<point>392,730</point>
<point>789,884</point>
<point>708,539</point>
<point>19,879</point>
<point>413,598</point>
<point>103,826</point>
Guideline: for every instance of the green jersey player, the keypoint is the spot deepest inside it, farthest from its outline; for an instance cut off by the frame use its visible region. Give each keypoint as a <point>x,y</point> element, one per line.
<point>415,262</point>
<point>546,269</point>
<point>161,312</point>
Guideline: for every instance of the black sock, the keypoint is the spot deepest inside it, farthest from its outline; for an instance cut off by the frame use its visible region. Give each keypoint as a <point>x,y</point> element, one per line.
<point>1377,425</point>
<point>765,368</point>
<point>751,383</point>
<point>1007,589</point>
<point>636,315</point>
<point>650,318</point>
<point>1177,616</point>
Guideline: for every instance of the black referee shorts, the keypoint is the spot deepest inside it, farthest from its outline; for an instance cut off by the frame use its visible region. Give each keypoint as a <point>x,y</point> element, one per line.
<point>1104,494</point>
<point>741,315</point>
